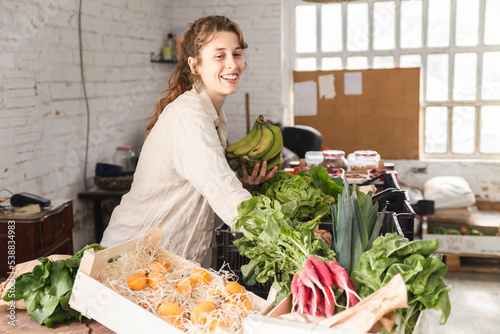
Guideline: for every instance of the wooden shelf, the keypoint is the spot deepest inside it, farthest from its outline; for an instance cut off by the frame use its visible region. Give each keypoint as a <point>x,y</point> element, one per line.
<point>157,59</point>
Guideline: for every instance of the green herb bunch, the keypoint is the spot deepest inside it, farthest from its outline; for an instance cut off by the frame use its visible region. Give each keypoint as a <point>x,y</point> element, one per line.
<point>47,289</point>
<point>422,270</point>
<point>274,243</point>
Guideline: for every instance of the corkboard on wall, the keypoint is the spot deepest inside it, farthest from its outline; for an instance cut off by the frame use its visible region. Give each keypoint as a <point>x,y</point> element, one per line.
<point>385,117</point>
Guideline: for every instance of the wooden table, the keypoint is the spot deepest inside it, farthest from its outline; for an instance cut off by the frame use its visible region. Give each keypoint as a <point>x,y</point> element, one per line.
<point>97,196</point>
<point>24,324</point>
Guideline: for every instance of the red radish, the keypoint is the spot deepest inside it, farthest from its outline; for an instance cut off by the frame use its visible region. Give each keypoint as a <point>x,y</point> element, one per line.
<point>329,303</point>
<point>306,280</point>
<point>323,272</point>
<point>295,290</point>
<point>308,270</point>
<point>303,294</point>
<point>320,304</point>
<point>343,281</point>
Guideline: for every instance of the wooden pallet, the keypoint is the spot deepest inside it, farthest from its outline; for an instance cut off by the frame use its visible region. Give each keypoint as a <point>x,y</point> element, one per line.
<point>472,263</point>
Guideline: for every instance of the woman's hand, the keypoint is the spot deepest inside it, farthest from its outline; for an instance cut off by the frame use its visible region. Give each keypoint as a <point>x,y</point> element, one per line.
<point>257,177</point>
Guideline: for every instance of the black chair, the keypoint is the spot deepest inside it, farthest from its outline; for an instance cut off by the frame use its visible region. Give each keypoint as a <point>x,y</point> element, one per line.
<point>302,138</point>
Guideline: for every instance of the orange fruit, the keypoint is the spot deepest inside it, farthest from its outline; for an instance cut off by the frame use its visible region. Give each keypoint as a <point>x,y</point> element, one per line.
<point>206,302</point>
<point>200,276</point>
<point>200,314</point>
<point>159,265</point>
<point>169,309</point>
<point>234,289</point>
<point>137,281</point>
<point>219,322</point>
<point>185,285</point>
<point>171,313</point>
<point>245,305</point>
<point>155,278</point>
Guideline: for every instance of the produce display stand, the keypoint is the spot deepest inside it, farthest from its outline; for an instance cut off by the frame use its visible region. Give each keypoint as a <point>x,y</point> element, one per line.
<point>468,253</point>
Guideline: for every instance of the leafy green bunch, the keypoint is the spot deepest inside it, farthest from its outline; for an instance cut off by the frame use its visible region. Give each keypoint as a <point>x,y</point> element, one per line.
<point>422,270</point>
<point>274,243</point>
<point>47,289</point>
<point>300,198</point>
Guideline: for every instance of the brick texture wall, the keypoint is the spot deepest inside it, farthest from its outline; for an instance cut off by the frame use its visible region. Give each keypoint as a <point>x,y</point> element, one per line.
<point>43,117</point>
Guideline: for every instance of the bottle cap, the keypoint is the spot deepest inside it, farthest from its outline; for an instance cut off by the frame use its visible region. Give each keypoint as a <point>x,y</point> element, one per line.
<point>333,153</point>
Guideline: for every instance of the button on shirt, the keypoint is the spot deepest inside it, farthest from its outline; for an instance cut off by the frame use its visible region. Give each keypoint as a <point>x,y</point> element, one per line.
<point>182,179</point>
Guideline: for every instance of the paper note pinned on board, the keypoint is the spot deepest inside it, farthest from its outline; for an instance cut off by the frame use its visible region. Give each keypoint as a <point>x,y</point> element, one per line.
<point>306,98</point>
<point>353,83</point>
<point>326,86</point>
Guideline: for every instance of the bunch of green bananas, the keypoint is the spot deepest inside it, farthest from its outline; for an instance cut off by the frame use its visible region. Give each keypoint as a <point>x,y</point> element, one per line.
<point>263,143</point>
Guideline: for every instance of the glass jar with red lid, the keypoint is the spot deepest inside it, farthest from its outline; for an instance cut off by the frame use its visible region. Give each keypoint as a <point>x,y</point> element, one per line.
<point>334,159</point>
<point>124,156</point>
<point>364,160</point>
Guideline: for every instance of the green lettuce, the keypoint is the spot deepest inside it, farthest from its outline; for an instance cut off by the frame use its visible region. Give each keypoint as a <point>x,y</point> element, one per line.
<point>422,270</point>
<point>299,196</point>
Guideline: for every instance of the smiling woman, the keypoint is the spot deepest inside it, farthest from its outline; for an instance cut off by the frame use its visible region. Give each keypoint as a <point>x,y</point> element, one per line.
<point>182,177</point>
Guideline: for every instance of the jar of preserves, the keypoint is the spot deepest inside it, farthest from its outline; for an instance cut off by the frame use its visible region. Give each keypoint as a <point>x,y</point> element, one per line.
<point>363,160</point>
<point>313,158</point>
<point>334,159</point>
<point>124,156</point>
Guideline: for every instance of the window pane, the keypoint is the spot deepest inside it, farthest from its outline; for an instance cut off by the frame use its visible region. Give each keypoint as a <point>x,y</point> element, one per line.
<point>357,26</point>
<point>436,133</point>
<point>467,22</point>
<point>357,63</point>
<point>490,136</point>
<point>491,76</point>
<point>305,28</point>
<point>331,63</point>
<point>411,24</point>
<point>305,64</point>
<point>383,25</point>
<point>463,130</point>
<point>464,84</point>
<point>331,27</point>
<point>410,61</point>
<point>492,22</point>
<point>437,77</point>
<point>438,33</point>
<point>383,62</point>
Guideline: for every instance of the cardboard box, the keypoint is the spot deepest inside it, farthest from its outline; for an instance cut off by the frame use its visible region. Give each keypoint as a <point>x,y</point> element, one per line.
<point>96,301</point>
<point>271,324</point>
<point>466,244</point>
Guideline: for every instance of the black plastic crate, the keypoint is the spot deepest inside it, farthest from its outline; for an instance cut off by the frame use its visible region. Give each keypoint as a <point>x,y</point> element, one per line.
<point>229,258</point>
<point>227,255</point>
<point>397,201</point>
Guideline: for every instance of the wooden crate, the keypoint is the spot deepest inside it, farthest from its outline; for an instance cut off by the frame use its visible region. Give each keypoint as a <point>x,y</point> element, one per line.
<point>473,263</point>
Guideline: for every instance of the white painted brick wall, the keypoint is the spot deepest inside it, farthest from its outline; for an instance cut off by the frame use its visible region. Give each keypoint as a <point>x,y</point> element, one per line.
<point>42,111</point>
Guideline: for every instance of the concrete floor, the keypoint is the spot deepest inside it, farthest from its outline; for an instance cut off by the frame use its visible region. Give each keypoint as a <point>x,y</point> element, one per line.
<point>475,306</point>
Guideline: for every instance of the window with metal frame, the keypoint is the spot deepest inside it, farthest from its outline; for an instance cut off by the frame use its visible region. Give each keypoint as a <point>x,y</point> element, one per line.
<point>455,43</point>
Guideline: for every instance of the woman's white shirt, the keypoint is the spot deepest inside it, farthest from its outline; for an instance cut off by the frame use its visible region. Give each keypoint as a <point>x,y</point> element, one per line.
<point>181,178</point>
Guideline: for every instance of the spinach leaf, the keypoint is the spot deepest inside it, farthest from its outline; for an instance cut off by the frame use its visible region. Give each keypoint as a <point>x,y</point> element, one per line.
<point>47,288</point>
<point>422,270</point>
